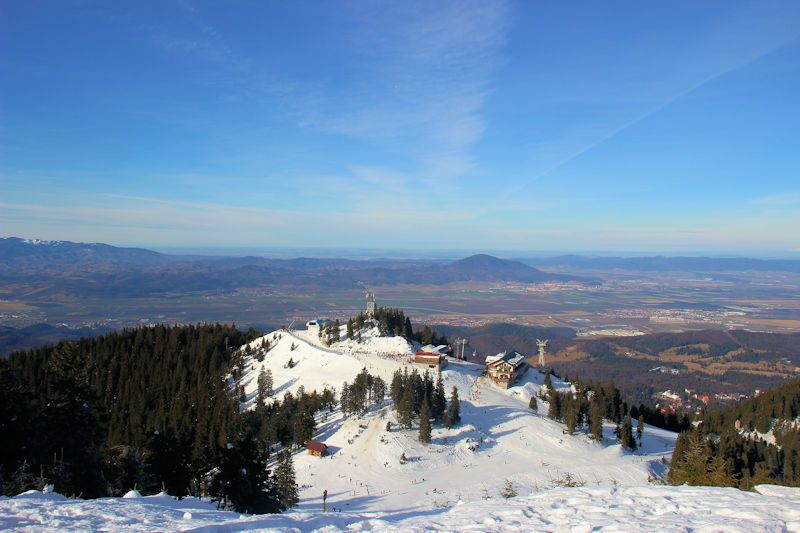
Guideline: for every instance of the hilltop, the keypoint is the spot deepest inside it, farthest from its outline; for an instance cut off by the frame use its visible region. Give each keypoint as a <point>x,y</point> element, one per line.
<point>500,437</point>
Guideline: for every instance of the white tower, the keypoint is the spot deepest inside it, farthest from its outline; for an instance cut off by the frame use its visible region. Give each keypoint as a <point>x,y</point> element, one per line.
<point>541,345</point>
<point>462,343</point>
<point>370,303</point>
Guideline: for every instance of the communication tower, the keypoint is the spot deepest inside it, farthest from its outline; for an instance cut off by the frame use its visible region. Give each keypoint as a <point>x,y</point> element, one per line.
<point>370,303</point>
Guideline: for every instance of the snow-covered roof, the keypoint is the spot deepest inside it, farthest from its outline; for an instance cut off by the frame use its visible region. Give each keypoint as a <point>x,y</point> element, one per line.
<point>316,446</point>
<point>512,357</point>
<point>430,348</point>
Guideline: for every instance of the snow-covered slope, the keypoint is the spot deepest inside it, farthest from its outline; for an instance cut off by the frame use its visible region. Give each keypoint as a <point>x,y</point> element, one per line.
<point>656,508</point>
<point>499,439</point>
<point>452,484</point>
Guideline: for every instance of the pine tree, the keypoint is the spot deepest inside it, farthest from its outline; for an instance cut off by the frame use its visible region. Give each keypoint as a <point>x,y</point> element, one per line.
<point>626,434</point>
<point>570,414</point>
<point>377,391</point>
<point>453,417</point>
<point>124,469</point>
<point>439,400</point>
<point>554,405</point>
<point>548,383</point>
<point>718,473</point>
<point>533,404</point>
<point>285,483</point>
<point>640,429</point>
<point>243,479</point>
<point>396,388</point>
<point>304,426</point>
<point>596,421</point>
<point>425,422</point>
<point>74,430</point>
<point>690,460</point>
<point>168,462</point>
<point>405,411</point>
<point>509,490</point>
<point>265,383</point>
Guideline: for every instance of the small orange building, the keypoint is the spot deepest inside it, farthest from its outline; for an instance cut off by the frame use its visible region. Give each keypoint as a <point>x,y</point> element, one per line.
<point>432,356</point>
<point>317,448</point>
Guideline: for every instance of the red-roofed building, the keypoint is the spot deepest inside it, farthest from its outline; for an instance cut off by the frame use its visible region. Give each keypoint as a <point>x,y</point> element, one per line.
<point>432,356</point>
<point>317,448</point>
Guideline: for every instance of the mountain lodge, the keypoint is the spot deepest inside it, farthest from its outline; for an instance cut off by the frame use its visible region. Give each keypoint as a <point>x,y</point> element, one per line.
<point>505,367</point>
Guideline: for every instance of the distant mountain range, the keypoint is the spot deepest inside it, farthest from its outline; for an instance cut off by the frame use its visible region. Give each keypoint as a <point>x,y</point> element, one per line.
<point>13,339</point>
<point>16,253</point>
<point>666,264</point>
<point>49,268</point>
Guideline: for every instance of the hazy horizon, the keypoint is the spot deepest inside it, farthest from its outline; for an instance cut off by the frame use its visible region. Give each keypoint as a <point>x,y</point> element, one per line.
<point>283,252</point>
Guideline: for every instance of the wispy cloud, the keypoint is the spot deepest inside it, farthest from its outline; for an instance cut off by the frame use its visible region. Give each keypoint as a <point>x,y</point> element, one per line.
<point>421,75</point>
<point>245,77</point>
<point>736,42</point>
<point>782,199</point>
<point>426,74</point>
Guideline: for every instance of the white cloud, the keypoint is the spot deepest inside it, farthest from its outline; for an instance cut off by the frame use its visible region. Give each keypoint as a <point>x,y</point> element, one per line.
<point>783,199</point>
<point>426,74</point>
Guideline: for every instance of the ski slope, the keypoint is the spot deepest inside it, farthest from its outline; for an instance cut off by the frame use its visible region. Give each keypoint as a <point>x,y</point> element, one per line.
<point>452,484</point>
<point>499,439</point>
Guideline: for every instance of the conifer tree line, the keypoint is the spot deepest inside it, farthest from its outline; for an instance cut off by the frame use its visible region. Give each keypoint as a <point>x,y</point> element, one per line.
<point>151,407</point>
<point>728,446</point>
<point>588,406</point>
<point>331,332</point>
<point>416,396</point>
<point>392,322</point>
<point>365,391</point>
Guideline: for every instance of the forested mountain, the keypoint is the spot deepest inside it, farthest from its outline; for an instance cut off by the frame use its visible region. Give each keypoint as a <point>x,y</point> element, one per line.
<point>707,361</point>
<point>14,339</point>
<point>152,407</point>
<point>756,441</point>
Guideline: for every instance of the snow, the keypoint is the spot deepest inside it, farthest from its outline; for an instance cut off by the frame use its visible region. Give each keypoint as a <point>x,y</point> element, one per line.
<point>779,490</point>
<point>500,437</point>
<point>649,508</point>
<point>443,485</point>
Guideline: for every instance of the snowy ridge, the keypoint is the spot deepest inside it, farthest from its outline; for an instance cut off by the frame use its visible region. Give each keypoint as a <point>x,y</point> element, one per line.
<point>499,439</point>
<point>656,508</point>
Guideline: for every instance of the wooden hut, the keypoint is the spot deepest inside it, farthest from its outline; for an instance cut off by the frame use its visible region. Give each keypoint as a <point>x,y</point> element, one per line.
<point>317,448</point>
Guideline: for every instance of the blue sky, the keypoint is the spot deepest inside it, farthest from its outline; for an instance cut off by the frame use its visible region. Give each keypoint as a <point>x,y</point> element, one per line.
<point>574,126</point>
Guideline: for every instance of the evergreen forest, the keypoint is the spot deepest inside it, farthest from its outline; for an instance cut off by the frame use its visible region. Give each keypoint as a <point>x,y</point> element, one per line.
<point>754,442</point>
<point>154,409</point>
